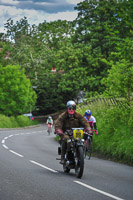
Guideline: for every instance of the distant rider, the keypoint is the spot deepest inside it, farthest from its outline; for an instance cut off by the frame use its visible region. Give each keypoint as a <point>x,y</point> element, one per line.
<point>49,122</point>
<point>92,120</point>
<point>68,120</point>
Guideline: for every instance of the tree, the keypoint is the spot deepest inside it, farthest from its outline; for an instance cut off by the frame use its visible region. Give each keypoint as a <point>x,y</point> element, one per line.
<point>93,18</point>
<point>81,70</point>
<point>16,93</point>
<point>19,30</point>
<point>119,80</point>
<point>56,32</point>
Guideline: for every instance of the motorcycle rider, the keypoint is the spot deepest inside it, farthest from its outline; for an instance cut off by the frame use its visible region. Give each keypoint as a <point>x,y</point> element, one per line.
<point>68,120</point>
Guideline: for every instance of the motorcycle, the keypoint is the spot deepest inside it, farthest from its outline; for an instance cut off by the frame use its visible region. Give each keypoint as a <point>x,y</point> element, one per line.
<point>74,157</point>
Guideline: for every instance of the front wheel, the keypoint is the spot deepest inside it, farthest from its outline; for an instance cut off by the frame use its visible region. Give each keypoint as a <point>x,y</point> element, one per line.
<point>89,147</point>
<point>49,130</point>
<point>79,162</point>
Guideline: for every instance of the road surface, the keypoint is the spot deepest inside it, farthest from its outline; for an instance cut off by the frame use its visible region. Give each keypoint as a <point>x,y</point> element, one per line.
<point>29,171</point>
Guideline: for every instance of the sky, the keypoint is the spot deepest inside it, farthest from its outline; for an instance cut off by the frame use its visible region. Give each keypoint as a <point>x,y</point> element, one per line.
<point>37,11</point>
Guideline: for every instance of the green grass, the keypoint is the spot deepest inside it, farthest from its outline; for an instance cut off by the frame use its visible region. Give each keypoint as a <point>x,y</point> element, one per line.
<point>115,134</point>
<point>19,121</point>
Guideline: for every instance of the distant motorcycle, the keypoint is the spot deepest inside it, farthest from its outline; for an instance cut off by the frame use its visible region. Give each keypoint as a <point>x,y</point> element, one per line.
<point>74,157</point>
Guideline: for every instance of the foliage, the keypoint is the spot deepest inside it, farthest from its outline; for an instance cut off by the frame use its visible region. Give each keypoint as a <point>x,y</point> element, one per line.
<point>82,52</point>
<point>14,122</point>
<point>119,80</point>
<point>114,138</point>
<point>17,95</point>
<point>24,121</point>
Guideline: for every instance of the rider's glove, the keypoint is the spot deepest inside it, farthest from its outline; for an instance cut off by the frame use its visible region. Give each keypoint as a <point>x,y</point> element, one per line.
<point>59,132</point>
<point>96,132</point>
<point>89,131</point>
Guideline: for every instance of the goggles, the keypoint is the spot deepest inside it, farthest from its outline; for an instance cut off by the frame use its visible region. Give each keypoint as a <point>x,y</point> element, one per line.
<point>71,108</point>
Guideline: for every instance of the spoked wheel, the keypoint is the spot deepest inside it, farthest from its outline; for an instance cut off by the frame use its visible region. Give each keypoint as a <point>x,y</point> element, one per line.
<point>79,165</point>
<point>84,150</point>
<point>49,130</point>
<point>89,148</point>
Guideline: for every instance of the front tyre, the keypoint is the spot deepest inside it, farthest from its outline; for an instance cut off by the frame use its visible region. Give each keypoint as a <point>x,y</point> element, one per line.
<point>89,147</point>
<point>79,162</point>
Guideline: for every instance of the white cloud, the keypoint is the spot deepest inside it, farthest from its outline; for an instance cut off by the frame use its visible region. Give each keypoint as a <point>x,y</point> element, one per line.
<point>74,1</point>
<point>8,1</point>
<point>70,16</point>
<point>34,16</point>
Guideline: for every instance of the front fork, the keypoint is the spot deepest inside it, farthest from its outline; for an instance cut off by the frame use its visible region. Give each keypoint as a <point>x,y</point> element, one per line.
<point>79,143</point>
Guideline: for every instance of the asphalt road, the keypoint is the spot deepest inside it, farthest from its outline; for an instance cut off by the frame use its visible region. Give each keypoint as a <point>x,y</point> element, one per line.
<point>29,171</point>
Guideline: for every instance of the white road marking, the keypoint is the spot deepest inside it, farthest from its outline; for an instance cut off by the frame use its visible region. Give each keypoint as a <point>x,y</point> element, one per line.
<point>100,191</point>
<point>10,135</point>
<point>5,146</point>
<point>5,138</point>
<point>3,141</point>
<point>16,153</point>
<point>43,166</point>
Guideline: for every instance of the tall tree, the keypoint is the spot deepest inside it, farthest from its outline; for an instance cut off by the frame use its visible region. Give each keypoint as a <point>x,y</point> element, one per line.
<point>56,32</point>
<point>119,81</point>
<point>94,16</point>
<point>16,93</point>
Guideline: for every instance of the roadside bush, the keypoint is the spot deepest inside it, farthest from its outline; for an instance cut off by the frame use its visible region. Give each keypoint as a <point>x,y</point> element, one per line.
<point>23,121</point>
<point>5,122</point>
<point>12,122</point>
<point>115,138</point>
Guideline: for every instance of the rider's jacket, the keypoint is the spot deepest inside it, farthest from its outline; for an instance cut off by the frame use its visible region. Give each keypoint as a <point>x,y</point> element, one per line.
<point>92,121</point>
<point>64,122</point>
<point>49,121</point>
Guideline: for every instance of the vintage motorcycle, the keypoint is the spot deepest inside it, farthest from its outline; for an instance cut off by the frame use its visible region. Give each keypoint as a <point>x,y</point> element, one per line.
<point>74,157</point>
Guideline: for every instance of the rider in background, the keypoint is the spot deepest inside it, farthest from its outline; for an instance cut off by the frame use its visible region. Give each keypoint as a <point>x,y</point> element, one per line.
<point>68,120</point>
<point>50,121</point>
<point>92,120</point>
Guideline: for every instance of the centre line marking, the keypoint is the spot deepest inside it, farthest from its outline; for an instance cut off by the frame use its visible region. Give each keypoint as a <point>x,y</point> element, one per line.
<point>5,146</point>
<point>10,135</point>
<point>100,191</point>
<point>16,153</point>
<point>43,166</point>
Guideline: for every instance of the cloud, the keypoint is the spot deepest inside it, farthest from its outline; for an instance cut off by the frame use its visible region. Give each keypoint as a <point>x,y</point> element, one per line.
<point>34,17</point>
<point>69,16</point>
<point>49,6</point>
<point>37,11</point>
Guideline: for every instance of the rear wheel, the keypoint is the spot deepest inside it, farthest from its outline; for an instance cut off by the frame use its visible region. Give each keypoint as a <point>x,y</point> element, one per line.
<point>79,163</point>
